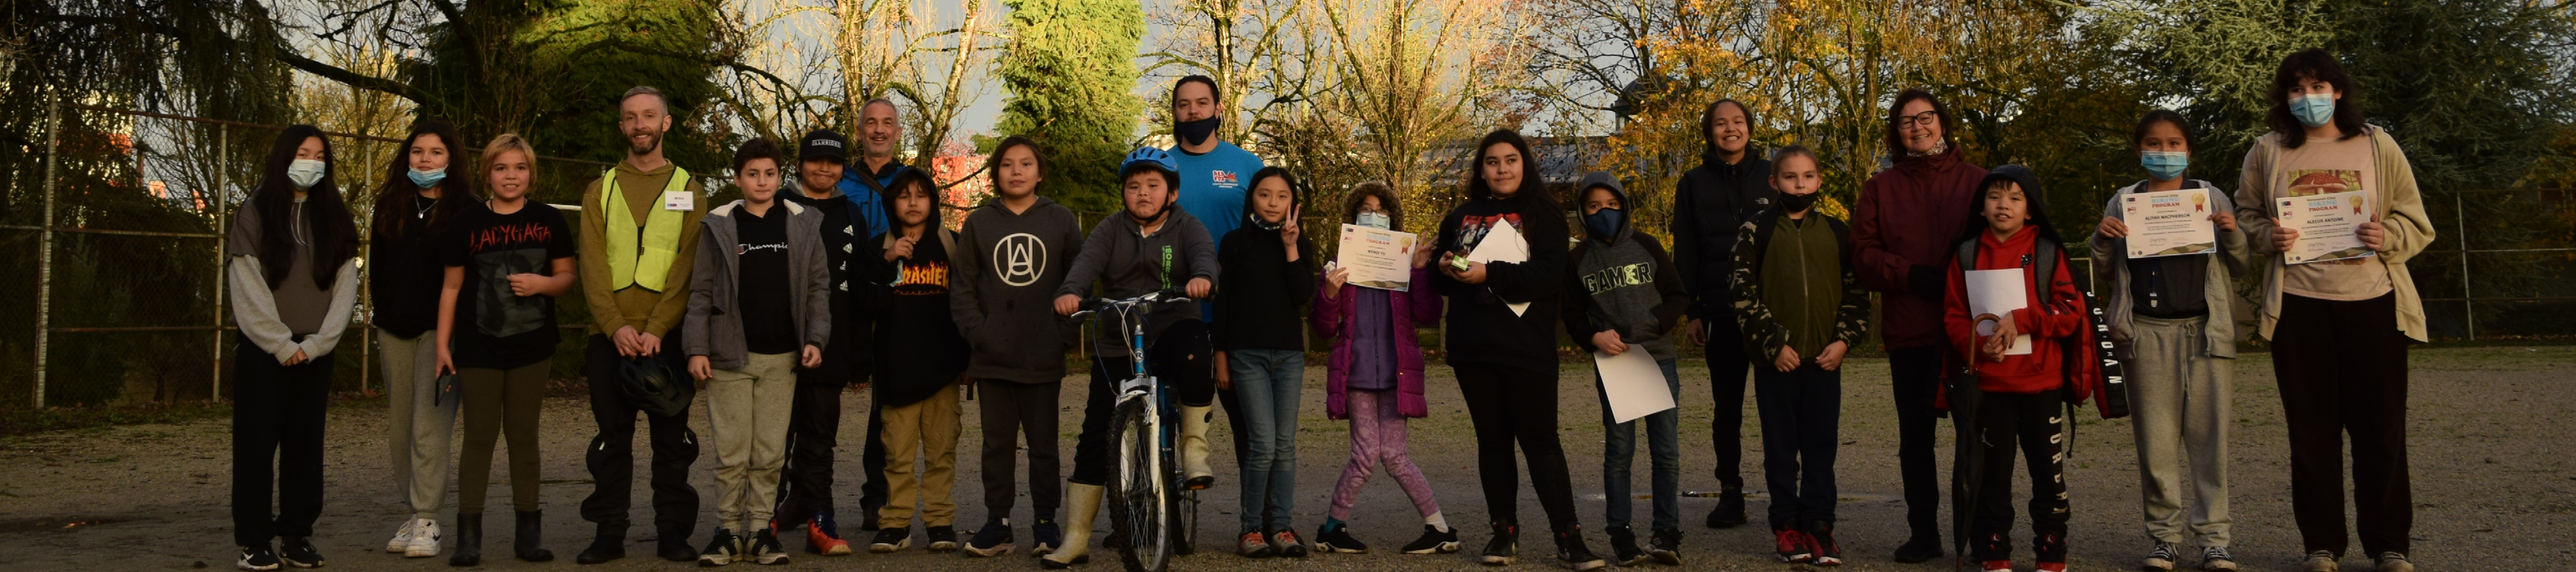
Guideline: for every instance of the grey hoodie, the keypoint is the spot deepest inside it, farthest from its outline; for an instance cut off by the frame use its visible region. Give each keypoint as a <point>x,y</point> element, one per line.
<point>2111,275</point>
<point>1129,263</point>
<point>1623,282</point>
<point>714,327</point>
<point>1001,289</point>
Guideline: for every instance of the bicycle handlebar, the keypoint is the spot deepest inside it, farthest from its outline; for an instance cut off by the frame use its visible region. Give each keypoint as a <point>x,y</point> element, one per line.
<point>1097,305</point>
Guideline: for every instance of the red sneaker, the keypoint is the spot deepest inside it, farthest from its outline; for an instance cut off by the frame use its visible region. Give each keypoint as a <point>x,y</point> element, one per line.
<point>1793,545</point>
<point>820,539</point>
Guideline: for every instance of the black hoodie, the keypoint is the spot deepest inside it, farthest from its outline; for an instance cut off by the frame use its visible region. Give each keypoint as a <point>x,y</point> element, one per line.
<point>1710,204</point>
<point>1258,308</point>
<point>919,349</point>
<point>845,359</point>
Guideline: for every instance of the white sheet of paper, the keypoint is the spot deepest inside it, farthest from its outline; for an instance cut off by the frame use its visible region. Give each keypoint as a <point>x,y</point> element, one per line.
<point>2328,225</point>
<point>2169,223</point>
<point>1634,383</point>
<point>1377,258</point>
<point>1999,292</point>
<point>1503,243</point>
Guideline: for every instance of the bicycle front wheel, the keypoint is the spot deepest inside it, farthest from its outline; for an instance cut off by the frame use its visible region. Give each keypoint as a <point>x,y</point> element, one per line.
<point>1139,495</point>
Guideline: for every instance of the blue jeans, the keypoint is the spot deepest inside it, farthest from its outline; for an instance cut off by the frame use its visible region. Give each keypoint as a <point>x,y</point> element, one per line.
<point>1267,384</point>
<point>1619,450</point>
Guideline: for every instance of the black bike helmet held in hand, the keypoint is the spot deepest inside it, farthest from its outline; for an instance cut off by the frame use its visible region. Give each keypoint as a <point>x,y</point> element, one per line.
<point>652,385</point>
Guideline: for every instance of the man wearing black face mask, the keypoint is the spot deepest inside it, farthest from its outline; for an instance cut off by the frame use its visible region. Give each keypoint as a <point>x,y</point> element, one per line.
<point>1215,178</point>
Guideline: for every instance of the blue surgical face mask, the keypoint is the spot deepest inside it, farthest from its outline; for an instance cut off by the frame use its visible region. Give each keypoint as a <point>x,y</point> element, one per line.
<point>2164,165</point>
<point>1376,220</point>
<point>427,178</point>
<point>2315,109</point>
<point>1604,223</point>
<point>304,173</point>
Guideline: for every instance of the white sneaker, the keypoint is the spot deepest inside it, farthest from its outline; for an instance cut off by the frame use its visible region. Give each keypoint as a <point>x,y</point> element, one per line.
<point>424,540</point>
<point>402,538</point>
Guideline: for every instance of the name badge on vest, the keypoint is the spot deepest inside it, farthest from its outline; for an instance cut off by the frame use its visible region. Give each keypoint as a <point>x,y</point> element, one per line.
<point>679,201</point>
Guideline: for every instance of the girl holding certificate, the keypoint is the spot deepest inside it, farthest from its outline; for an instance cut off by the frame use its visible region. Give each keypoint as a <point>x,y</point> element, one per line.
<point>1374,378</point>
<point>2339,328</point>
<point>2171,317</point>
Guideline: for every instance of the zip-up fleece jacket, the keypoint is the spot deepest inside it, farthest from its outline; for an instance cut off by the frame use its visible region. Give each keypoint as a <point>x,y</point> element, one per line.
<point>1129,263</point>
<point>1765,329</point>
<point>713,328</point>
<point>1623,282</point>
<point>1002,282</point>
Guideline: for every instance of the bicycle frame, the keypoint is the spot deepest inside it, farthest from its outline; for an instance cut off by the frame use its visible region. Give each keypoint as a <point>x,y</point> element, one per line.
<point>1159,472</point>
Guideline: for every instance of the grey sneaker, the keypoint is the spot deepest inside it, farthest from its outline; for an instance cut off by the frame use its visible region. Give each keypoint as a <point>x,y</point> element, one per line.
<point>2320,561</point>
<point>2216,559</point>
<point>2159,559</point>
<point>2394,562</point>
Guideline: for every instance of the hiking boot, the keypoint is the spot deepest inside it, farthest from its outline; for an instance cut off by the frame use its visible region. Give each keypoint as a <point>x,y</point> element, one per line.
<point>1623,546</point>
<point>2388,562</point>
<point>1665,546</point>
<point>994,539</point>
<point>2159,559</point>
<point>257,558</point>
<point>2050,552</point>
<point>1919,549</point>
<point>823,536</point>
<point>1505,547</point>
<point>2320,561</point>
<point>1252,545</point>
<point>1433,541</point>
<point>608,546</point>
<point>1288,545</point>
<point>1046,537</point>
<point>720,550</point>
<point>1730,509</point>
<point>298,551</point>
<point>890,540</point>
<point>2216,559</point>
<point>1820,542</point>
<point>1790,545</point>
<point>943,538</point>
<point>1337,538</point>
<point>1571,552</point>
<point>765,548</point>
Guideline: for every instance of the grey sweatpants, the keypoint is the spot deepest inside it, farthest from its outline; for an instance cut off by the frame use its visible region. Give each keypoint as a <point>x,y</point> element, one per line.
<point>422,423</point>
<point>2179,400</point>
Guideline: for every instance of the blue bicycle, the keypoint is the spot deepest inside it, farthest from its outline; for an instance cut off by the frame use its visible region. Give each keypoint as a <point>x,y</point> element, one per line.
<point>1153,513</point>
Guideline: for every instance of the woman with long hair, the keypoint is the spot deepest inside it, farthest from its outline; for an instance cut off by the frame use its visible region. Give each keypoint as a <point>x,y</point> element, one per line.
<point>293,279</point>
<point>414,203</point>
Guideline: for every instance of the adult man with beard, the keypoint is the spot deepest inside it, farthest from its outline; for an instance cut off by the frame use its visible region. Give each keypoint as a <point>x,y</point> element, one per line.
<point>639,236</point>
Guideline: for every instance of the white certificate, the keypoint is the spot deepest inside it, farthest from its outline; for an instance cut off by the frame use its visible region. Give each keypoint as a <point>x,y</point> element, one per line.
<point>2328,225</point>
<point>1998,292</point>
<point>2169,223</point>
<point>1503,243</point>
<point>1634,383</point>
<point>1377,258</point>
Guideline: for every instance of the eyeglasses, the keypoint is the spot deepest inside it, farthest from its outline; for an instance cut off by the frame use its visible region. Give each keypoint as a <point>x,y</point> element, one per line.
<point>1925,119</point>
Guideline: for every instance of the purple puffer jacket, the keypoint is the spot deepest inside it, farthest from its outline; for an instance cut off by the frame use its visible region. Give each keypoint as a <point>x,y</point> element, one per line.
<point>1332,319</point>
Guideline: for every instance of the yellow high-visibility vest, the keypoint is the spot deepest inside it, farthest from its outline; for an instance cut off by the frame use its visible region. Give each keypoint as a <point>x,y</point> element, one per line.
<point>641,259</point>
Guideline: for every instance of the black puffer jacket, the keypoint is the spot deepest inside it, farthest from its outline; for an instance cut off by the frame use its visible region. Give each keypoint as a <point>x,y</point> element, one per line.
<point>1712,201</point>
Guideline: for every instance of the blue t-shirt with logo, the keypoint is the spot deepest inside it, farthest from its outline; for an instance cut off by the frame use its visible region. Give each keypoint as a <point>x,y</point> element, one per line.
<point>1213,187</point>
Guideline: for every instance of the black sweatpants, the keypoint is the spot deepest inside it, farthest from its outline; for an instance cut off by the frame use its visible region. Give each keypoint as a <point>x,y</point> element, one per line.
<point>813,429</point>
<point>1726,374</point>
<point>872,460</point>
<point>1801,430</point>
<point>611,455</point>
<point>1013,410</point>
<point>1513,405</point>
<point>2342,369</point>
<point>277,441</point>
<point>2033,420</point>
<point>1916,378</point>
<point>1184,364</point>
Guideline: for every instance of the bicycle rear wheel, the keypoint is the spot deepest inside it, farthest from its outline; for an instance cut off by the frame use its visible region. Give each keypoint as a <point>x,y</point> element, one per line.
<point>1139,496</point>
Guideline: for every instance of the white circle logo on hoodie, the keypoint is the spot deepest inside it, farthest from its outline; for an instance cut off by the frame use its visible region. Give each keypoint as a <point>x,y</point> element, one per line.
<point>1019,259</point>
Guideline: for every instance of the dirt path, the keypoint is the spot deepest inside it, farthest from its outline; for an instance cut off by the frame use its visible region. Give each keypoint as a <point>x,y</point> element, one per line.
<point>2494,473</point>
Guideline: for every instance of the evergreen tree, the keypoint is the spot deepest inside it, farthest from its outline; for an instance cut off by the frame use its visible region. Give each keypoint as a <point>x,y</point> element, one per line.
<point>1069,69</point>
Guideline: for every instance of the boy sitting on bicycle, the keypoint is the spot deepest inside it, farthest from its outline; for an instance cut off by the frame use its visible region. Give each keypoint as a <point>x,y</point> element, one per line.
<point>1155,247</point>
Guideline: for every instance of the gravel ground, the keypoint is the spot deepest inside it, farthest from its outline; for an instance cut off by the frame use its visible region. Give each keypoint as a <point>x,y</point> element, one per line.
<point>2495,485</point>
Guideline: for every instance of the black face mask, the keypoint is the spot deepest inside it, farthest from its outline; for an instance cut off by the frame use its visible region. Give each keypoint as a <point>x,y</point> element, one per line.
<point>1195,132</point>
<point>1790,203</point>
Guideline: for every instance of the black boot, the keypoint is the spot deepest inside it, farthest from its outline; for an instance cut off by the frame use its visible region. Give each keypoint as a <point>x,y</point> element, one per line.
<point>469,540</point>
<point>1571,552</point>
<point>1730,509</point>
<point>531,533</point>
<point>609,545</point>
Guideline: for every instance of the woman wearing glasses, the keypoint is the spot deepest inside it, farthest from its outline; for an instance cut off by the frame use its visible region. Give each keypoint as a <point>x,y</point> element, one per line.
<point>1901,234</point>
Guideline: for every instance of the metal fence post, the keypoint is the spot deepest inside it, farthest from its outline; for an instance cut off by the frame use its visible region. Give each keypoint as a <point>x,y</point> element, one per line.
<point>223,156</point>
<point>45,237</point>
<point>2468,297</point>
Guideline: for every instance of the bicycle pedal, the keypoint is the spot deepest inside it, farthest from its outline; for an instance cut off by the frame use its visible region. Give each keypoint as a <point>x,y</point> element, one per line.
<point>1198,483</point>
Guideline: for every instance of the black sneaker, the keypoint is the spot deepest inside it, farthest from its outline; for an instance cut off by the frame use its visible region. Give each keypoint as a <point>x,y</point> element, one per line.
<point>1505,547</point>
<point>1623,546</point>
<point>943,538</point>
<point>2159,559</point>
<point>257,558</point>
<point>2049,551</point>
<point>1048,537</point>
<point>1820,540</point>
<point>720,550</point>
<point>298,551</point>
<point>1571,552</point>
<point>889,540</point>
<point>765,548</point>
<point>1433,541</point>
<point>1333,539</point>
<point>1730,509</point>
<point>1919,549</point>
<point>994,539</point>
<point>1993,547</point>
<point>1666,547</point>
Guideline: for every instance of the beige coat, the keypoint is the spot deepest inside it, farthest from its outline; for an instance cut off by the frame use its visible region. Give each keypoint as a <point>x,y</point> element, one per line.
<point>2399,209</point>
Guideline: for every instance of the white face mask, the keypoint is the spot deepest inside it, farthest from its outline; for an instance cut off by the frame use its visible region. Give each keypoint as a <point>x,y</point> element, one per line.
<point>1375,220</point>
<point>304,173</point>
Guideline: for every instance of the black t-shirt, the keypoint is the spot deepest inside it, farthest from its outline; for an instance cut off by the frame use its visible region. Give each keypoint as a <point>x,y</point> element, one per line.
<point>494,328</point>
<point>768,327</point>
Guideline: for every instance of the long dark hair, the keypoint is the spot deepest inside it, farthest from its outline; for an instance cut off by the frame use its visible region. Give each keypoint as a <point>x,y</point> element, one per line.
<point>2316,64</point>
<point>1533,188</point>
<point>334,236</point>
<point>1896,140</point>
<point>394,197</point>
